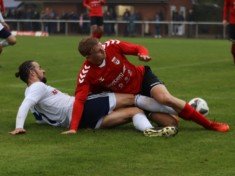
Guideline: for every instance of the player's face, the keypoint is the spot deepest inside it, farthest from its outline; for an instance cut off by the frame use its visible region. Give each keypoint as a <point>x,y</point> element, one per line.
<point>40,73</point>
<point>97,55</point>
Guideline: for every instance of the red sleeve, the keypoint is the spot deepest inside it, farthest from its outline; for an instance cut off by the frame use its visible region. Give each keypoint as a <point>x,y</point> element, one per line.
<point>132,49</point>
<point>78,106</point>
<point>225,11</point>
<point>103,2</point>
<point>2,8</point>
<point>86,3</point>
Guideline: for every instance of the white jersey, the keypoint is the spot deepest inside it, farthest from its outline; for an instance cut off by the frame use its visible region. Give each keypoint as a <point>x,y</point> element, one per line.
<point>50,105</point>
<point>1,21</point>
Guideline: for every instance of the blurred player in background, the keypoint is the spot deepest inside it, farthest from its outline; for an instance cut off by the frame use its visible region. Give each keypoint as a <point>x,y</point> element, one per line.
<point>5,34</point>
<point>104,110</point>
<point>229,18</point>
<point>107,68</point>
<point>96,16</point>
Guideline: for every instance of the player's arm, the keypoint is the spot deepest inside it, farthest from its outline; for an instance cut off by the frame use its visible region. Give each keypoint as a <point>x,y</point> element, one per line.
<point>21,116</point>
<point>36,92</point>
<point>134,49</point>
<point>225,12</point>
<point>86,4</point>
<point>102,2</point>
<point>78,106</point>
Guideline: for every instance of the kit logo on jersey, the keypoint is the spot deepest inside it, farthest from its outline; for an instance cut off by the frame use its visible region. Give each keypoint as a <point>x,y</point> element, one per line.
<point>115,60</point>
<point>83,73</point>
<point>54,92</point>
<point>111,42</point>
<point>101,79</point>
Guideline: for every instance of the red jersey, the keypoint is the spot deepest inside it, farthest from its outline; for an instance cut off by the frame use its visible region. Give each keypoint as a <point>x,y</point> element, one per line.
<point>115,74</point>
<point>229,11</point>
<point>2,8</point>
<point>95,7</point>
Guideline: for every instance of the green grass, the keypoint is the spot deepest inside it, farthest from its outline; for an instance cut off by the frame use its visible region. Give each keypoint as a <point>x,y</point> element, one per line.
<point>189,68</point>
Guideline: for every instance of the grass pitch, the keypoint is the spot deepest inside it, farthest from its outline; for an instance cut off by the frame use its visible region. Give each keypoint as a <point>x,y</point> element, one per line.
<point>189,68</point>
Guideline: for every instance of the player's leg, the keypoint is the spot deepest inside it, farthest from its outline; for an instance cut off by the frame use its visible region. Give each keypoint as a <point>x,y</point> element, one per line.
<point>163,120</point>
<point>93,26</point>
<point>142,102</point>
<point>9,39</point>
<point>99,31</point>
<point>140,121</point>
<point>100,27</point>
<point>124,100</point>
<point>233,51</point>
<point>232,38</point>
<point>151,105</point>
<point>185,111</point>
<point>159,92</point>
<point>93,30</point>
<point>122,116</point>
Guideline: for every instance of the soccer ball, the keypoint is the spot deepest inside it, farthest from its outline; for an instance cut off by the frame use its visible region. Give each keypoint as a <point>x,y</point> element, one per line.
<point>200,105</point>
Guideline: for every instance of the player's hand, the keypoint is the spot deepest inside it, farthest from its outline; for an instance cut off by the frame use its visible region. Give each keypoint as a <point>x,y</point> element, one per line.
<point>18,131</point>
<point>6,25</point>
<point>88,8</point>
<point>225,22</point>
<point>144,58</point>
<point>69,132</point>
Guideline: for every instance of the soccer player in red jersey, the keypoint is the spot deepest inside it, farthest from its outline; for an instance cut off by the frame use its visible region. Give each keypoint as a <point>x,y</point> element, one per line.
<point>96,16</point>
<point>9,39</point>
<point>229,18</point>
<point>107,68</point>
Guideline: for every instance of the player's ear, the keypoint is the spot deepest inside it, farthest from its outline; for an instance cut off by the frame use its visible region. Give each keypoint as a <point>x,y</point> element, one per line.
<point>32,72</point>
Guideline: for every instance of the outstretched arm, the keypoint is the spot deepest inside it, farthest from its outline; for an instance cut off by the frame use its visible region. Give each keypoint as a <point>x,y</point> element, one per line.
<point>21,116</point>
<point>133,49</point>
<point>225,12</point>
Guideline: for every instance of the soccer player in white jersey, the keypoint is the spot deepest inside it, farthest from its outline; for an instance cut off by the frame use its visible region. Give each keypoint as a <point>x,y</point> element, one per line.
<point>53,107</point>
<point>5,34</point>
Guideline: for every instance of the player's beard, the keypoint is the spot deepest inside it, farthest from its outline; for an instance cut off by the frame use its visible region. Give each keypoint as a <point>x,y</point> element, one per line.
<point>44,80</point>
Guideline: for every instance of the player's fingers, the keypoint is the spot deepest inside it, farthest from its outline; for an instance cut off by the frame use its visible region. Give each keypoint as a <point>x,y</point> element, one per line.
<point>21,131</point>
<point>69,132</point>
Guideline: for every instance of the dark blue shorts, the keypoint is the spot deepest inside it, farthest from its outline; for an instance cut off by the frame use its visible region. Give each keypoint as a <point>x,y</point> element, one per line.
<point>231,32</point>
<point>4,33</point>
<point>94,109</point>
<point>97,20</point>
<point>150,80</point>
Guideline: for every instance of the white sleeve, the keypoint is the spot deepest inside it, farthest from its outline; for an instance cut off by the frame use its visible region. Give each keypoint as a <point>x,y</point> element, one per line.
<point>1,18</point>
<point>35,93</point>
<point>23,112</point>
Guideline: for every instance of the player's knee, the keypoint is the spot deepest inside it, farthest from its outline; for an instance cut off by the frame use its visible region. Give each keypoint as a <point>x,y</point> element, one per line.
<point>134,111</point>
<point>165,99</point>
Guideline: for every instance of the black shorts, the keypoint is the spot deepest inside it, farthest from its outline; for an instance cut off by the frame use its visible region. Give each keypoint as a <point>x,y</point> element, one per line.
<point>150,80</point>
<point>97,20</point>
<point>4,33</point>
<point>94,109</point>
<point>231,32</point>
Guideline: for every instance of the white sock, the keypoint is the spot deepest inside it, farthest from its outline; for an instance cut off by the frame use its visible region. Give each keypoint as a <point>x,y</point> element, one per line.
<point>149,104</point>
<point>4,43</point>
<point>141,122</point>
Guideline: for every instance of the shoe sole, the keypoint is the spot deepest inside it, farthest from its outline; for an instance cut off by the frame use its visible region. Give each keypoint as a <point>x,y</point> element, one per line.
<point>165,132</point>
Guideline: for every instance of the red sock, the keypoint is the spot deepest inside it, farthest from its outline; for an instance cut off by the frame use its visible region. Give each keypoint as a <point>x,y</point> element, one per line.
<point>233,51</point>
<point>189,113</point>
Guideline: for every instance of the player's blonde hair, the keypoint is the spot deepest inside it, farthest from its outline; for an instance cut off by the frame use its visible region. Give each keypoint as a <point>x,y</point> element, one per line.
<point>86,44</point>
